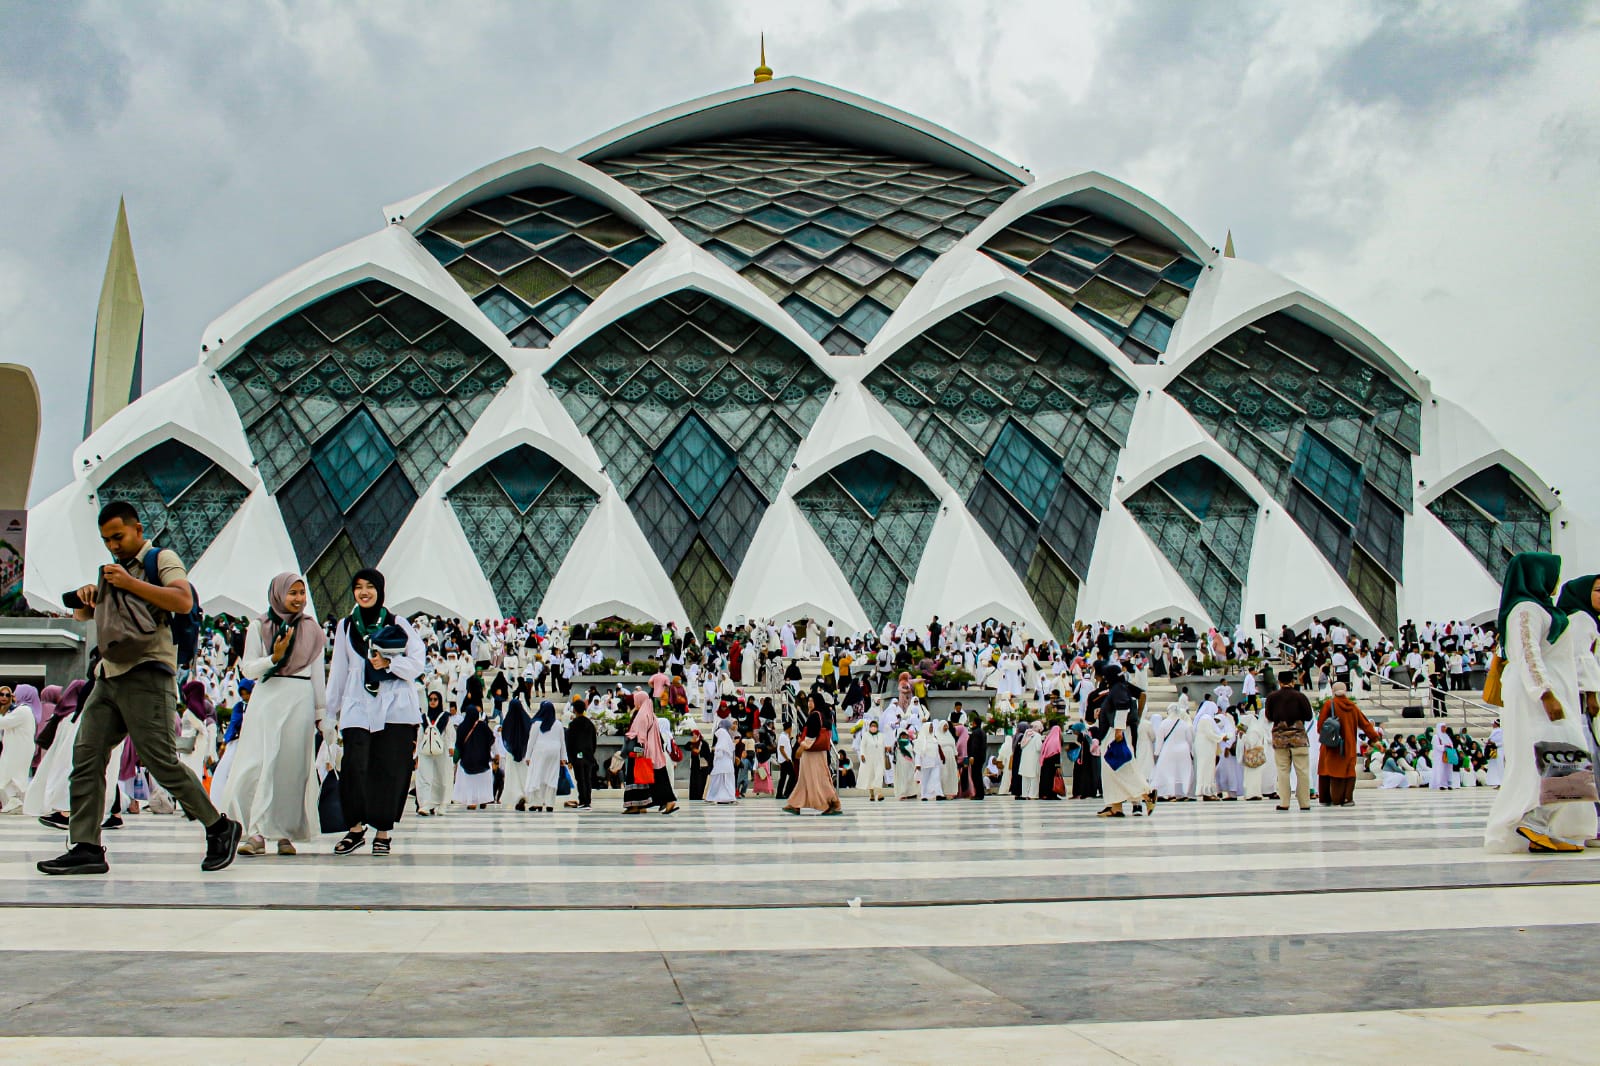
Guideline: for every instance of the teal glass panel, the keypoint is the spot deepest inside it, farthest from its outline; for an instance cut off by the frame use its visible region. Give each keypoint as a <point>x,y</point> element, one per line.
<point>172,467</point>
<point>351,458</point>
<point>696,462</point>
<point>523,473</point>
<point>869,478</point>
<point>1026,468</point>
<point>1204,523</point>
<point>1330,476</point>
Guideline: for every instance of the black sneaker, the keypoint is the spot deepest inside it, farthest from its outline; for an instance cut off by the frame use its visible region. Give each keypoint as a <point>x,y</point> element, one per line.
<point>222,844</point>
<point>113,822</point>
<point>55,820</point>
<point>79,859</point>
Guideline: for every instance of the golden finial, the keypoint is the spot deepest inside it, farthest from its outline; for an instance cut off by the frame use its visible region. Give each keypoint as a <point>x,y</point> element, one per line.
<point>1227,246</point>
<point>763,72</point>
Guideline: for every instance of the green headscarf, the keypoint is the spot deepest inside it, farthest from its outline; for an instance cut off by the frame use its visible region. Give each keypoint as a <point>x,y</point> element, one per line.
<point>1530,578</point>
<point>1575,596</point>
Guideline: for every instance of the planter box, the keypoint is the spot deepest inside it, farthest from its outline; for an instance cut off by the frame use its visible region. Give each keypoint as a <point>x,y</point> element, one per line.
<point>941,701</point>
<point>603,681</point>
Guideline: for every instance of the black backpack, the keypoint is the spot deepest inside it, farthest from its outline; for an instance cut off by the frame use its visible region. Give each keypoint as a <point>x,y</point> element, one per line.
<point>1332,735</point>
<point>186,626</point>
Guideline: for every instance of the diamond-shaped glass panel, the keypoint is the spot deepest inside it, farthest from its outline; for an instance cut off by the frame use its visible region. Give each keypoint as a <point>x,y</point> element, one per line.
<point>351,458</point>
<point>696,462</point>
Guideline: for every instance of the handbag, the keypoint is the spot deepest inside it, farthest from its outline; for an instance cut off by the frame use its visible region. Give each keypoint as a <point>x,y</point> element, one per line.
<point>564,785</point>
<point>643,772</point>
<point>330,811</point>
<point>1118,754</point>
<point>1492,693</point>
<point>1254,758</point>
<point>184,742</point>
<point>1566,773</point>
<point>1059,785</point>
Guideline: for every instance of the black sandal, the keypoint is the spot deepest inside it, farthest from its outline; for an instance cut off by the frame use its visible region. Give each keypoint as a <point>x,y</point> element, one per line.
<point>350,843</point>
<point>380,846</point>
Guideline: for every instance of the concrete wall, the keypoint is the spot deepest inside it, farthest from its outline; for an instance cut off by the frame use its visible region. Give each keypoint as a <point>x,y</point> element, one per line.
<point>44,651</point>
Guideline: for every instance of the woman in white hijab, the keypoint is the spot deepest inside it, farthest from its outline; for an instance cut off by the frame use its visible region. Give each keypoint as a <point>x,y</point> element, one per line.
<point>949,769</point>
<point>1030,759</point>
<point>929,763</point>
<point>871,764</point>
<point>720,786</point>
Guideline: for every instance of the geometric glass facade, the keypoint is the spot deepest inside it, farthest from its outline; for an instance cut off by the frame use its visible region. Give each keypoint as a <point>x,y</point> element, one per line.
<point>1495,517</point>
<point>835,235</point>
<point>534,260</point>
<point>837,212</point>
<point>1027,424</point>
<point>352,406</point>
<point>1205,525</point>
<point>696,410</point>
<point>521,511</point>
<point>1328,432</point>
<point>183,498</point>
<point>874,515</point>
<point>1128,287</point>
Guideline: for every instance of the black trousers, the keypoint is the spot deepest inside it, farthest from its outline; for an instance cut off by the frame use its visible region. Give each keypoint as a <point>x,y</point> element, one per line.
<point>375,774</point>
<point>786,779</point>
<point>975,775</point>
<point>583,777</point>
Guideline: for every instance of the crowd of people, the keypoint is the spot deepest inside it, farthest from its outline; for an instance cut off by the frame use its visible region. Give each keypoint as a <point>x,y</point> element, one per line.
<point>271,730</point>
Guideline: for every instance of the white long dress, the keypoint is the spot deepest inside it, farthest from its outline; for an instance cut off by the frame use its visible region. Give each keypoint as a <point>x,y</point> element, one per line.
<point>546,752</point>
<point>1174,759</point>
<point>869,774</point>
<point>1126,784</point>
<point>1254,734</point>
<point>905,774</point>
<point>720,787</point>
<point>1029,761</point>
<point>1497,765</point>
<point>1145,751</point>
<point>1534,665</point>
<point>205,743</point>
<point>1443,772</point>
<point>1207,742</point>
<point>51,787</point>
<point>17,729</point>
<point>929,765</point>
<point>950,769</point>
<point>271,787</point>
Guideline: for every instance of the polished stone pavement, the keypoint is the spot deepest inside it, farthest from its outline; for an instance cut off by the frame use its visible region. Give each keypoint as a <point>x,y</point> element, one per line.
<point>1221,932</point>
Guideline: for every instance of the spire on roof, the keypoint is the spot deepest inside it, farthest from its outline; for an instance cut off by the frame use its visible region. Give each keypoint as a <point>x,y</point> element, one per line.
<point>1227,246</point>
<point>115,368</point>
<point>763,72</point>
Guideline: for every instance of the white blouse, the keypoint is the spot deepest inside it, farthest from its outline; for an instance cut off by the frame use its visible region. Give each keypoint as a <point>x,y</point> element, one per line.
<point>349,702</point>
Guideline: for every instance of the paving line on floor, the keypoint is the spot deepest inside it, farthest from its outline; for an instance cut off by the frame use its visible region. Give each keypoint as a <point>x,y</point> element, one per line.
<point>1461,1036</point>
<point>535,931</point>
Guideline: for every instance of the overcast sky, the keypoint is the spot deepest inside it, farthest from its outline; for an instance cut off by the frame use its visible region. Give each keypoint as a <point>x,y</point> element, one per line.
<point>1429,167</point>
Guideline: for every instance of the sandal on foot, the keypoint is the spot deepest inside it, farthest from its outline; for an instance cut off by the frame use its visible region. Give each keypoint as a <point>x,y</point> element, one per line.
<point>380,846</point>
<point>286,847</point>
<point>350,843</point>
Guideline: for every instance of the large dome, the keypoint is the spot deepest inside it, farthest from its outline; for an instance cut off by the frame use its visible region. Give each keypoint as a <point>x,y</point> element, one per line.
<point>784,351</point>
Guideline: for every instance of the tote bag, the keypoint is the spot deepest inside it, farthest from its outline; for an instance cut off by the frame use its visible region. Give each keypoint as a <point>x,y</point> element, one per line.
<point>1566,773</point>
<point>330,812</point>
<point>1492,694</point>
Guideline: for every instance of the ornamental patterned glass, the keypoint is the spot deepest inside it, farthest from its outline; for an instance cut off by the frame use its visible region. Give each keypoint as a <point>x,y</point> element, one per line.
<point>352,406</point>
<point>533,260</point>
<point>874,516</point>
<point>521,512</point>
<point>833,234</point>
<point>1327,431</point>
<point>1027,424</point>
<point>1204,523</point>
<point>184,499</point>
<point>696,410</point>
<point>1495,517</point>
<point>1130,288</point>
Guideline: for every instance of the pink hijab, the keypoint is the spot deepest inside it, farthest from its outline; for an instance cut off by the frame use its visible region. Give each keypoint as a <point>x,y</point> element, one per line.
<point>1052,743</point>
<point>647,730</point>
<point>309,639</point>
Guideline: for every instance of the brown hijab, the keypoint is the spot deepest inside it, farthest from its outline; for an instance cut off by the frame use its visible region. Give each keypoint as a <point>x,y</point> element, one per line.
<point>305,646</point>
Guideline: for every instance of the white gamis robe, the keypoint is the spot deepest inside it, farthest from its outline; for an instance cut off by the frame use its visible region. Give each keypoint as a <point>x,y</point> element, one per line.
<point>1145,745</point>
<point>546,752</point>
<point>1207,741</point>
<point>271,788</point>
<point>720,787</point>
<point>869,774</point>
<point>50,789</point>
<point>1029,762</point>
<point>17,730</point>
<point>1534,665</point>
<point>1125,784</point>
<point>1253,733</point>
<point>1174,775</point>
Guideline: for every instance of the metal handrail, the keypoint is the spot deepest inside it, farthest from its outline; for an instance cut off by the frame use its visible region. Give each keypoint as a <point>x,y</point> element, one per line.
<point>1465,704</point>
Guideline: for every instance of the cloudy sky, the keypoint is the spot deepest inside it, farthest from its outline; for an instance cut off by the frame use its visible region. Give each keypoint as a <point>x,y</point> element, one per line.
<point>1430,167</point>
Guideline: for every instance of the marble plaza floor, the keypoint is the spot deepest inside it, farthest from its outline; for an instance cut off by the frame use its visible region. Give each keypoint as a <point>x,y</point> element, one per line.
<point>1213,933</point>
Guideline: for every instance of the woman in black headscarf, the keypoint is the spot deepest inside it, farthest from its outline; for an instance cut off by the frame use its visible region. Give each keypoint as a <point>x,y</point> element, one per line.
<point>376,657</point>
